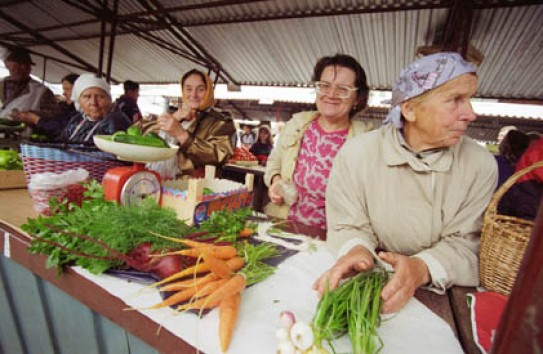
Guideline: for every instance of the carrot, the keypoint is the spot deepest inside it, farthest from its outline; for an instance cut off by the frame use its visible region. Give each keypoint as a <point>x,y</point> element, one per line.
<point>216,265</point>
<point>189,283</point>
<point>221,252</point>
<point>228,316</point>
<point>246,232</point>
<point>233,286</point>
<point>198,304</point>
<point>235,263</point>
<point>176,298</point>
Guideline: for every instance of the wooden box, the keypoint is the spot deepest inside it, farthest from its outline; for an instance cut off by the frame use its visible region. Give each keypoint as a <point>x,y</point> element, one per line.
<point>187,198</point>
<point>12,179</point>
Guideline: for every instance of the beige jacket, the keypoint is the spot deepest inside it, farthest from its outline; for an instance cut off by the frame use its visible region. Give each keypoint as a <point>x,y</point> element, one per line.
<point>380,195</point>
<point>282,160</point>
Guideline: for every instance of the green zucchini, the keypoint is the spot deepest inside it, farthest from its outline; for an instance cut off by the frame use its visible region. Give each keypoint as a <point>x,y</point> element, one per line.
<point>10,123</point>
<point>139,140</point>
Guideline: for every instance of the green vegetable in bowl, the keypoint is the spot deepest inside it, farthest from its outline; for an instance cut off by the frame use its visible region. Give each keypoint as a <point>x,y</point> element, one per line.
<point>145,140</point>
<point>134,130</point>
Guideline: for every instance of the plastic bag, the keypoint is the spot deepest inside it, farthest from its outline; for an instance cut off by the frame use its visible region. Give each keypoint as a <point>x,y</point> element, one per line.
<point>44,186</point>
<point>169,168</point>
<point>288,191</point>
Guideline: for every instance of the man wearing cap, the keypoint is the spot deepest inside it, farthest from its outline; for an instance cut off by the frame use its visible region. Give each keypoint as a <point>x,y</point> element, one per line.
<point>411,195</point>
<point>19,93</point>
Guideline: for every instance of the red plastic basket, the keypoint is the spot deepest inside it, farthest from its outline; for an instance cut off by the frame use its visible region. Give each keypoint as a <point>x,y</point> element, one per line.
<point>40,158</point>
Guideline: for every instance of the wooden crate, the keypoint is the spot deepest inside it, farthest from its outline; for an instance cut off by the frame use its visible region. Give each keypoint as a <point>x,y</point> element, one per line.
<point>12,179</point>
<point>191,205</point>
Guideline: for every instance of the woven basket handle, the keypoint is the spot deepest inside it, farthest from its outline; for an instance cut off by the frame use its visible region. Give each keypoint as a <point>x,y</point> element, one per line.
<point>507,184</point>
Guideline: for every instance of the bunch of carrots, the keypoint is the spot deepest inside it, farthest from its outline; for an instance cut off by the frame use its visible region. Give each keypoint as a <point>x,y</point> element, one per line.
<point>217,279</point>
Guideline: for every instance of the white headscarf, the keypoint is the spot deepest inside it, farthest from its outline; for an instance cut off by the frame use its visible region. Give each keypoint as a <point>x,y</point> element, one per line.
<point>85,81</point>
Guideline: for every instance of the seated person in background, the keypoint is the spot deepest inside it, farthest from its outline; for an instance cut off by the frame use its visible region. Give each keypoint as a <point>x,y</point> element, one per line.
<point>67,106</point>
<point>524,197</point>
<point>416,189</point>
<point>511,148</point>
<point>92,98</point>
<point>263,146</point>
<point>128,103</point>
<point>20,94</point>
<point>248,137</point>
<point>204,133</point>
<point>310,140</point>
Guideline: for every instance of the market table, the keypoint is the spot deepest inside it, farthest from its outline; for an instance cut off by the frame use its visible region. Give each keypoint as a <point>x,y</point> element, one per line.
<point>16,206</point>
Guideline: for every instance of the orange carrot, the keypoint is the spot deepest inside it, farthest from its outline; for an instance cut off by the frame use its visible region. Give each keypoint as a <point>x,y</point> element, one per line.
<point>216,265</point>
<point>198,304</point>
<point>176,298</point>
<point>246,232</point>
<point>189,283</point>
<point>221,252</point>
<point>234,264</point>
<point>228,316</point>
<point>233,286</point>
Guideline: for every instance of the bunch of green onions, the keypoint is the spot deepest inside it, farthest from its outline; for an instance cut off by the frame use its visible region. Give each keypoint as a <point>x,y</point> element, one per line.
<point>353,308</point>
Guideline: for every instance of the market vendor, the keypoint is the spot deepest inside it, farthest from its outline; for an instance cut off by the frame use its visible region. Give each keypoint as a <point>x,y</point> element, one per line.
<point>414,190</point>
<point>92,98</point>
<point>204,133</point>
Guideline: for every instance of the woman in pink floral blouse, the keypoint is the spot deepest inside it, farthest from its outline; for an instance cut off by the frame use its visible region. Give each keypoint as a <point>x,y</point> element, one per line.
<point>298,168</point>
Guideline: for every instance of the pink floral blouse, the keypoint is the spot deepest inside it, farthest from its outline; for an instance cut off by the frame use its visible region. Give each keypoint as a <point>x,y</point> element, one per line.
<point>317,153</point>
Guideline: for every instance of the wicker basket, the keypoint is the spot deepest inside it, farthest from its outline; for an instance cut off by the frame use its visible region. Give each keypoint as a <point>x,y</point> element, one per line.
<point>57,158</point>
<point>503,241</point>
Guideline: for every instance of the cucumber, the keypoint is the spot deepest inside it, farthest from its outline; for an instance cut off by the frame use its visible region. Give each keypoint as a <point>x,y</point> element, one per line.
<point>10,123</point>
<point>139,140</point>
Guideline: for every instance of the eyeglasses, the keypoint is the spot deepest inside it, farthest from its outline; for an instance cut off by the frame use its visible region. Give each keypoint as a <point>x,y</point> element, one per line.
<point>339,91</point>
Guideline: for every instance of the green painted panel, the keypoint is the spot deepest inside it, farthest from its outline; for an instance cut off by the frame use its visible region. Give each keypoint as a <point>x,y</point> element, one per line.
<point>72,322</point>
<point>27,305</point>
<point>9,335</point>
<point>137,346</point>
<point>112,338</point>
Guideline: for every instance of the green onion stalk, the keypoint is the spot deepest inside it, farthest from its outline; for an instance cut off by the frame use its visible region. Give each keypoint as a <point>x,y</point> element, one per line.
<point>353,308</point>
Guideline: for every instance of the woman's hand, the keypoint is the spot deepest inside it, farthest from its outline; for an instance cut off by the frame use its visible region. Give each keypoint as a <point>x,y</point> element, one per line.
<point>167,123</point>
<point>409,274</point>
<point>184,113</point>
<point>273,191</point>
<point>358,259</point>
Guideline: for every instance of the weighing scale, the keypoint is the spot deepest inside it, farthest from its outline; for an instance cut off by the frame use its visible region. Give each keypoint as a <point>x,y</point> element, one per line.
<point>130,185</point>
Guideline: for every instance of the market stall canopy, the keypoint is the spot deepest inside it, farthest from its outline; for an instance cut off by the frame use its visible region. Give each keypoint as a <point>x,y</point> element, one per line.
<point>263,42</point>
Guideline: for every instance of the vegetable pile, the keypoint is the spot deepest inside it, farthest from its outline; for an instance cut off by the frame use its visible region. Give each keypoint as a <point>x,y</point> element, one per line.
<point>10,160</point>
<point>133,135</point>
<point>353,308</point>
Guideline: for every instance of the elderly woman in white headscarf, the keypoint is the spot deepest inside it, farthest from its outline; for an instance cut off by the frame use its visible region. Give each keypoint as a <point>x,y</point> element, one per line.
<point>415,190</point>
<point>92,98</point>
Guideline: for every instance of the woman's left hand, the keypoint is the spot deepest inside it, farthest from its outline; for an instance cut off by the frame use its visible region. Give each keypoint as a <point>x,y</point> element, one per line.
<point>409,274</point>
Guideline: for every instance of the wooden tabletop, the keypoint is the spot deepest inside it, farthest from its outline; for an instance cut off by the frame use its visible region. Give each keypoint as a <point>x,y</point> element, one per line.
<point>16,207</point>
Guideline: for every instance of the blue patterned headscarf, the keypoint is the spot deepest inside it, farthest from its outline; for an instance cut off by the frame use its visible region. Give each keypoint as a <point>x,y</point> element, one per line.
<point>422,75</point>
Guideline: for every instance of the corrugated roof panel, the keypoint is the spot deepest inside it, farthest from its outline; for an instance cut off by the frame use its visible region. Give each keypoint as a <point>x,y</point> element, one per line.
<point>512,42</point>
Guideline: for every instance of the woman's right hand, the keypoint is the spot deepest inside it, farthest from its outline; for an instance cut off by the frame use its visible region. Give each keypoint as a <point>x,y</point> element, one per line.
<point>357,260</point>
<point>273,191</point>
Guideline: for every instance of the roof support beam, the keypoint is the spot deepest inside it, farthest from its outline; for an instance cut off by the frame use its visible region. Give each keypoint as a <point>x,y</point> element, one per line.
<point>46,41</point>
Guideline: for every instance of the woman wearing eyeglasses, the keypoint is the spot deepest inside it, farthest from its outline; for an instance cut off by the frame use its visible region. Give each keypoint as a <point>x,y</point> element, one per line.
<point>298,167</point>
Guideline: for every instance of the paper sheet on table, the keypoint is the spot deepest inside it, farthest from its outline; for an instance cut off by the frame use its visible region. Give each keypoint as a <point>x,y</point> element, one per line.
<point>415,329</point>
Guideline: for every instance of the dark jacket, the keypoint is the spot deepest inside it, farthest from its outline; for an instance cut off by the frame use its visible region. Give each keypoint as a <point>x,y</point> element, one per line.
<point>129,107</point>
<point>81,130</point>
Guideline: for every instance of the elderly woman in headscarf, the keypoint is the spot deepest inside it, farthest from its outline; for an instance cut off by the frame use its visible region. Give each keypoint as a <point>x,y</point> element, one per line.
<point>92,98</point>
<point>204,133</point>
<point>415,190</point>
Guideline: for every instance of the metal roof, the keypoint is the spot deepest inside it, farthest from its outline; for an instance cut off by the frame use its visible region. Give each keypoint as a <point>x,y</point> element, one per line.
<point>263,42</point>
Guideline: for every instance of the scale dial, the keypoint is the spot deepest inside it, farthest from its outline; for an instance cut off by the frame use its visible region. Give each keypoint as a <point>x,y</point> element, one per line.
<point>139,186</point>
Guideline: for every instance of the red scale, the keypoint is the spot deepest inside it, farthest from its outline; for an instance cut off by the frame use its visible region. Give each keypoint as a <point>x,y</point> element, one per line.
<point>129,185</point>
